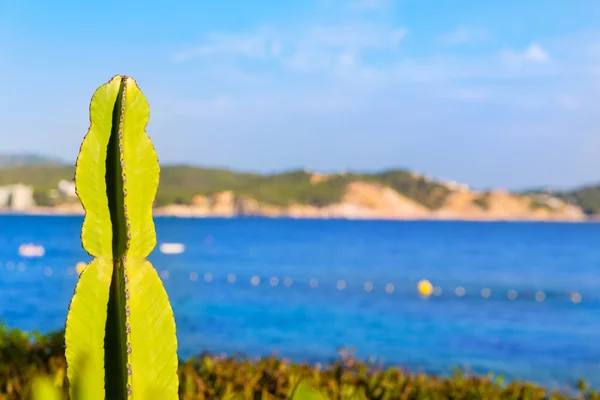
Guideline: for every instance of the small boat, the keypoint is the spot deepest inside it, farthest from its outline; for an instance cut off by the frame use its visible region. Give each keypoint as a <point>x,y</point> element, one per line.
<point>31,250</point>
<point>172,248</point>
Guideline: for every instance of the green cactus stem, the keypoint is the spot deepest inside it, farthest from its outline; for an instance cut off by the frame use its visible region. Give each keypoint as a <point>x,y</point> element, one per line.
<point>120,322</point>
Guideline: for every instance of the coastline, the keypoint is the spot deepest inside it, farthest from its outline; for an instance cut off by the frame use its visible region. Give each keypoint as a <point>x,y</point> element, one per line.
<point>190,213</point>
<point>421,200</point>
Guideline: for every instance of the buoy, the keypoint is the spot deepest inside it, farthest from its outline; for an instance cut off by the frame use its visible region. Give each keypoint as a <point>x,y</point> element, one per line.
<point>31,250</point>
<point>80,267</point>
<point>425,288</point>
<point>172,248</point>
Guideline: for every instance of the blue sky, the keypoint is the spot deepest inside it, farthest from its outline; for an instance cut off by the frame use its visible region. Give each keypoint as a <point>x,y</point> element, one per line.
<point>494,94</point>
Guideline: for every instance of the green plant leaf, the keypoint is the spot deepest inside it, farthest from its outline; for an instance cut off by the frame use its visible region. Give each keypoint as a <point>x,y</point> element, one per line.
<point>154,356</point>
<point>84,382</point>
<point>43,389</point>
<point>151,338</point>
<point>86,320</point>
<point>90,172</point>
<point>304,391</point>
<point>116,346</point>
<point>120,317</point>
<point>141,170</point>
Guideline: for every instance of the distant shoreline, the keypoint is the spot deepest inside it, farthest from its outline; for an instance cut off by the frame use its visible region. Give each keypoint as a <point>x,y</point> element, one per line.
<point>159,214</point>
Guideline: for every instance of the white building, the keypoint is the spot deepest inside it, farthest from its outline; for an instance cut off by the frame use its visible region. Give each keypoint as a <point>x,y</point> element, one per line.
<point>16,197</point>
<point>4,197</point>
<point>21,197</point>
<point>67,188</point>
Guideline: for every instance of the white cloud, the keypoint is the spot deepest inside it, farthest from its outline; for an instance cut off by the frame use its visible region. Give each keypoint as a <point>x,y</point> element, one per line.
<point>355,36</point>
<point>370,58</point>
<point>326,49</point>
<point>348,51</point>
<point>534,53</point>
<point>254,45</point>
<point>463,34</point>
<point>357,83</point>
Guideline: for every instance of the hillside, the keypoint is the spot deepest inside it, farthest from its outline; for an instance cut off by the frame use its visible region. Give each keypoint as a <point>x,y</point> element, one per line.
<point>11,160</point>
<point>179,184</point>
<point>390,194</point>
<point>587,197</point>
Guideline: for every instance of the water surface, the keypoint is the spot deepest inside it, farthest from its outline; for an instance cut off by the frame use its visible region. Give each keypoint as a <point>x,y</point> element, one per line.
<point>554,340</point>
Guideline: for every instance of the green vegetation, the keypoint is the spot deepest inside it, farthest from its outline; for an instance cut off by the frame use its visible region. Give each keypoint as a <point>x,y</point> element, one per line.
<point>483,200</point>
<point>296,187</point>
<point>25,356</point>
<point>588,198</point>
<point>539,205</point>
<point>41,177</point>
<point>43,198</point>
<point>429,193</point>
<point>179,184</point>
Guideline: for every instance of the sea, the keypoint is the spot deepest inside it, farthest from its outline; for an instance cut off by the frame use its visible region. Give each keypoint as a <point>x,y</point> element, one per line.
<point>516,299</point>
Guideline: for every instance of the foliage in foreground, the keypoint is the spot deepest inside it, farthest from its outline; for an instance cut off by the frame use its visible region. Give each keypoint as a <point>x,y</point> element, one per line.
<point>24,356</point>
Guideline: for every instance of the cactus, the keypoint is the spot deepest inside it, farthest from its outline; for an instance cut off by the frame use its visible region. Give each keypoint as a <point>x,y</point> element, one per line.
<point>120,323</point>
<point>120,330</point>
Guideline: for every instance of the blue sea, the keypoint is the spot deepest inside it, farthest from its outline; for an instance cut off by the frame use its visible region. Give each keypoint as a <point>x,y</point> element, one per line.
<point>517,299</point>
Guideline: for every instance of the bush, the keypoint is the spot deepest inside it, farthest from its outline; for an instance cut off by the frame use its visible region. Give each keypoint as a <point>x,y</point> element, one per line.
<point>26,355</point>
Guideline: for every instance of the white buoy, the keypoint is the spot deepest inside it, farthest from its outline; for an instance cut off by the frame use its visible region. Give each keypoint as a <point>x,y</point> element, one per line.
<point>171,248</point>
<point>31,250</point>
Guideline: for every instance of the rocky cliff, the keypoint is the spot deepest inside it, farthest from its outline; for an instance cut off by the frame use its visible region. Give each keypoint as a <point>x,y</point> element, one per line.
<point>364,200</point>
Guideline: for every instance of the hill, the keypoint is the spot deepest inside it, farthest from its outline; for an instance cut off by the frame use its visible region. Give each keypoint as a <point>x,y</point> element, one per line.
<point>587,197</point>
<point>179,184</point>
<point>11,160</point>
<point>192,190</point>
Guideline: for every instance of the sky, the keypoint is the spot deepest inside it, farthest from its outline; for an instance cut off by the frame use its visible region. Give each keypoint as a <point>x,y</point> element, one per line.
<point>493,94</point>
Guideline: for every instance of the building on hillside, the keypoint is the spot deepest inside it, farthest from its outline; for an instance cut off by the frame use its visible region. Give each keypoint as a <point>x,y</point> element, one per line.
<point>67,189</point>
<point>16,197</point>
<point>4,196</point>
<point>21,197</point>
<point>458,186</point>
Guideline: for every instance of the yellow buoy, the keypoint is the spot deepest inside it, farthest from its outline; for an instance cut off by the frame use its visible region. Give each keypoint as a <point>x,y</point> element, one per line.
<point>80,267</point>
<point>425,288</point>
